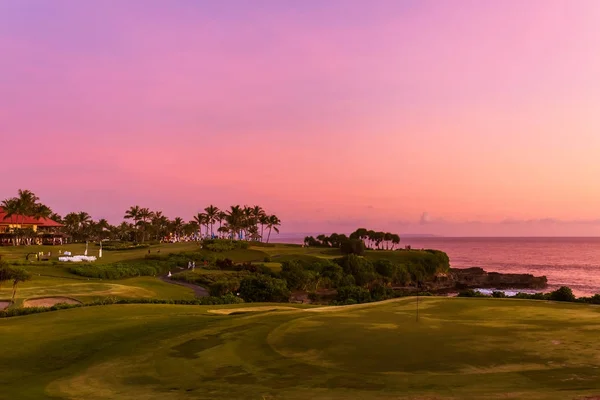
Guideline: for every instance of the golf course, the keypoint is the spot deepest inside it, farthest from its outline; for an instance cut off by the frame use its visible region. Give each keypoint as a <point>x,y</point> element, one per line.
<point>459,349</point>
<point>92,346</point>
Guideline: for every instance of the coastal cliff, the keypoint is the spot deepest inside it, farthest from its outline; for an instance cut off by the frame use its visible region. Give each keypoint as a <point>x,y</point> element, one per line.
<point>471,278</point>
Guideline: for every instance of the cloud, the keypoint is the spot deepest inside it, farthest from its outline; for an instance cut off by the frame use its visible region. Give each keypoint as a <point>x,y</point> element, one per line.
<point>425,218</point>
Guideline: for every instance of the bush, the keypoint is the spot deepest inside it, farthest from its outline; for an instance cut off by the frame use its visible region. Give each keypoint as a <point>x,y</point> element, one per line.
<point>223,287</point>
<point>353,246</point>
<point>354,294</point>
<point>498,294</point>
<point>564,293</point>
<point>263,288</point>
<point>119,270</point>
<point>267,259</point>
<point>222,245</point>
<point>296,277</point>
<point>595,299</point>
<point>380,292</point>
<point>360,268</point>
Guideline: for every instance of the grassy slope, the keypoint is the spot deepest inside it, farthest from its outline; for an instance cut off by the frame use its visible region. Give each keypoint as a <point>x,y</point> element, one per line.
<point>54,279</point>
<point>460,349</point>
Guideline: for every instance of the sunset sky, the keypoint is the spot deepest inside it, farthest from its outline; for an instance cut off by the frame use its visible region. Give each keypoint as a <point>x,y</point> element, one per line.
<point>446,117</point>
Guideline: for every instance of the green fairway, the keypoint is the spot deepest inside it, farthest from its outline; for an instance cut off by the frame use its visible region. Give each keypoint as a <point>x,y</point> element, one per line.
<point>460,349</point>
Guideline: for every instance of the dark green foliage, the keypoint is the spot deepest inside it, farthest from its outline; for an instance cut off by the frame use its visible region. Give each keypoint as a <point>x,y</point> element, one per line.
<point>6,272</point>
<point>498,294</point>
<point>353,295</point>
<point>353,246</point>
<point>296,276</point>
<point>262,288</point>
<point>119,270</point>
<point>222,245</point>
<point>385,268</point>
<point>595,299</point>
<point>207,279</point>
<point>224,286</point>
<point>562,294</point>
<point>360,268</point>
<point>381,292</point>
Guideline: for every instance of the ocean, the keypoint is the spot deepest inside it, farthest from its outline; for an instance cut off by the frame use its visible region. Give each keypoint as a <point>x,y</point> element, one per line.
<point>572,262</point>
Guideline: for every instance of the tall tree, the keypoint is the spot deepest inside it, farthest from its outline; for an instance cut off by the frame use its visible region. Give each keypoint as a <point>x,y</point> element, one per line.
<point>212,214</point>
<point>134,214</point>
<point>273,224</point>
<point>18,275</point>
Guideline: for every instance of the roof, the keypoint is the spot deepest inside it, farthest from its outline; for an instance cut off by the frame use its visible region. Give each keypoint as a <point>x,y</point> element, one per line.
<point>18,219</point>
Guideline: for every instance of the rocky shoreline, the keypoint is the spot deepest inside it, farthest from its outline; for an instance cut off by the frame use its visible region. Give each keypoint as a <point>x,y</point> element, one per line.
<point>477,278</point>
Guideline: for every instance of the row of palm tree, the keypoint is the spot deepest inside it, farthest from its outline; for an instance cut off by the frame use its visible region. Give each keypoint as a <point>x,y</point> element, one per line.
<point>234,223</point>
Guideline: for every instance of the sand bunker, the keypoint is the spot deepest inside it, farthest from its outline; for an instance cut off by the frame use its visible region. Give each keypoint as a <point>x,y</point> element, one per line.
<point>49,301</point>
<point>4,304</point>
<point>228,311</point>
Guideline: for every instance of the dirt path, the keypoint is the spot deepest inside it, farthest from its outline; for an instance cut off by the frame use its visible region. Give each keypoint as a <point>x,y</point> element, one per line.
<point>199,291</point>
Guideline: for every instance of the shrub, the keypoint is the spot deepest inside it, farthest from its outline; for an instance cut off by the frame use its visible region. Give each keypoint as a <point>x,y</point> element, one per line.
<point>380,292</point>
<point>564,293</point>
<point>498,294</point>
<point>360,268</point>
<point>385,268</point>
<point>295,275</point>
<point>267,259</point>
<point>224,286</point>
<point>119,270</point>
<point>353,246</point>
<point>355,294</point>
<point>225,264</point>
<point>222,245</point>
<point>263,288</point>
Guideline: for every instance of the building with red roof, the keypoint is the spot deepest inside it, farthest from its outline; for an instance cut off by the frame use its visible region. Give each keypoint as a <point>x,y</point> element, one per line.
<point>46,231</point>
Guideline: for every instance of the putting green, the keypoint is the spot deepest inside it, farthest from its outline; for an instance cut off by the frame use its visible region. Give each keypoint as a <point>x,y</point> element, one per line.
<point>459,349</point>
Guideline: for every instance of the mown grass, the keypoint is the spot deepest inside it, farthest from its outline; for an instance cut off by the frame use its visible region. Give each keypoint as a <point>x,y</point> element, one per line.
<point>460,349</point>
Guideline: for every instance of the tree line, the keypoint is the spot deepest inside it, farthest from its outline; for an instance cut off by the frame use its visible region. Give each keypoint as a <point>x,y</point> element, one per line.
<point>357,242</point>
<point>141,224</point>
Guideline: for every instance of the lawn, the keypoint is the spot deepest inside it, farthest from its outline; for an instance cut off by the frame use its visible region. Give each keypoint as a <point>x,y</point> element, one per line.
<point>459,349</point>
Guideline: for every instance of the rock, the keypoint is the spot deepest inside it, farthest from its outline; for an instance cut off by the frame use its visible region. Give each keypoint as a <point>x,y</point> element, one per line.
<point>471,278</point>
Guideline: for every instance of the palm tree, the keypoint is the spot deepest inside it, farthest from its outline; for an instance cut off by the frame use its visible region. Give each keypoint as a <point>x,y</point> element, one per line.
<point>134,214</point>
<point>159,222</point>
<point>221,215</point>
<point>144,216</point>
<point>41,211</point>
<point>201,219</point>
<point>395,240</point>
<point>212,213</point>
<point>263,220</point>
<point>257,213</point>
<point>177,226</point>
<point>235,219</point>
<point>12,208</point>
<point>272,224</point>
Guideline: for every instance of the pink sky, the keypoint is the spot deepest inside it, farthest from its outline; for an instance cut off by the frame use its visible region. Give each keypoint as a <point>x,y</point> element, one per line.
<point>447,117</point>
